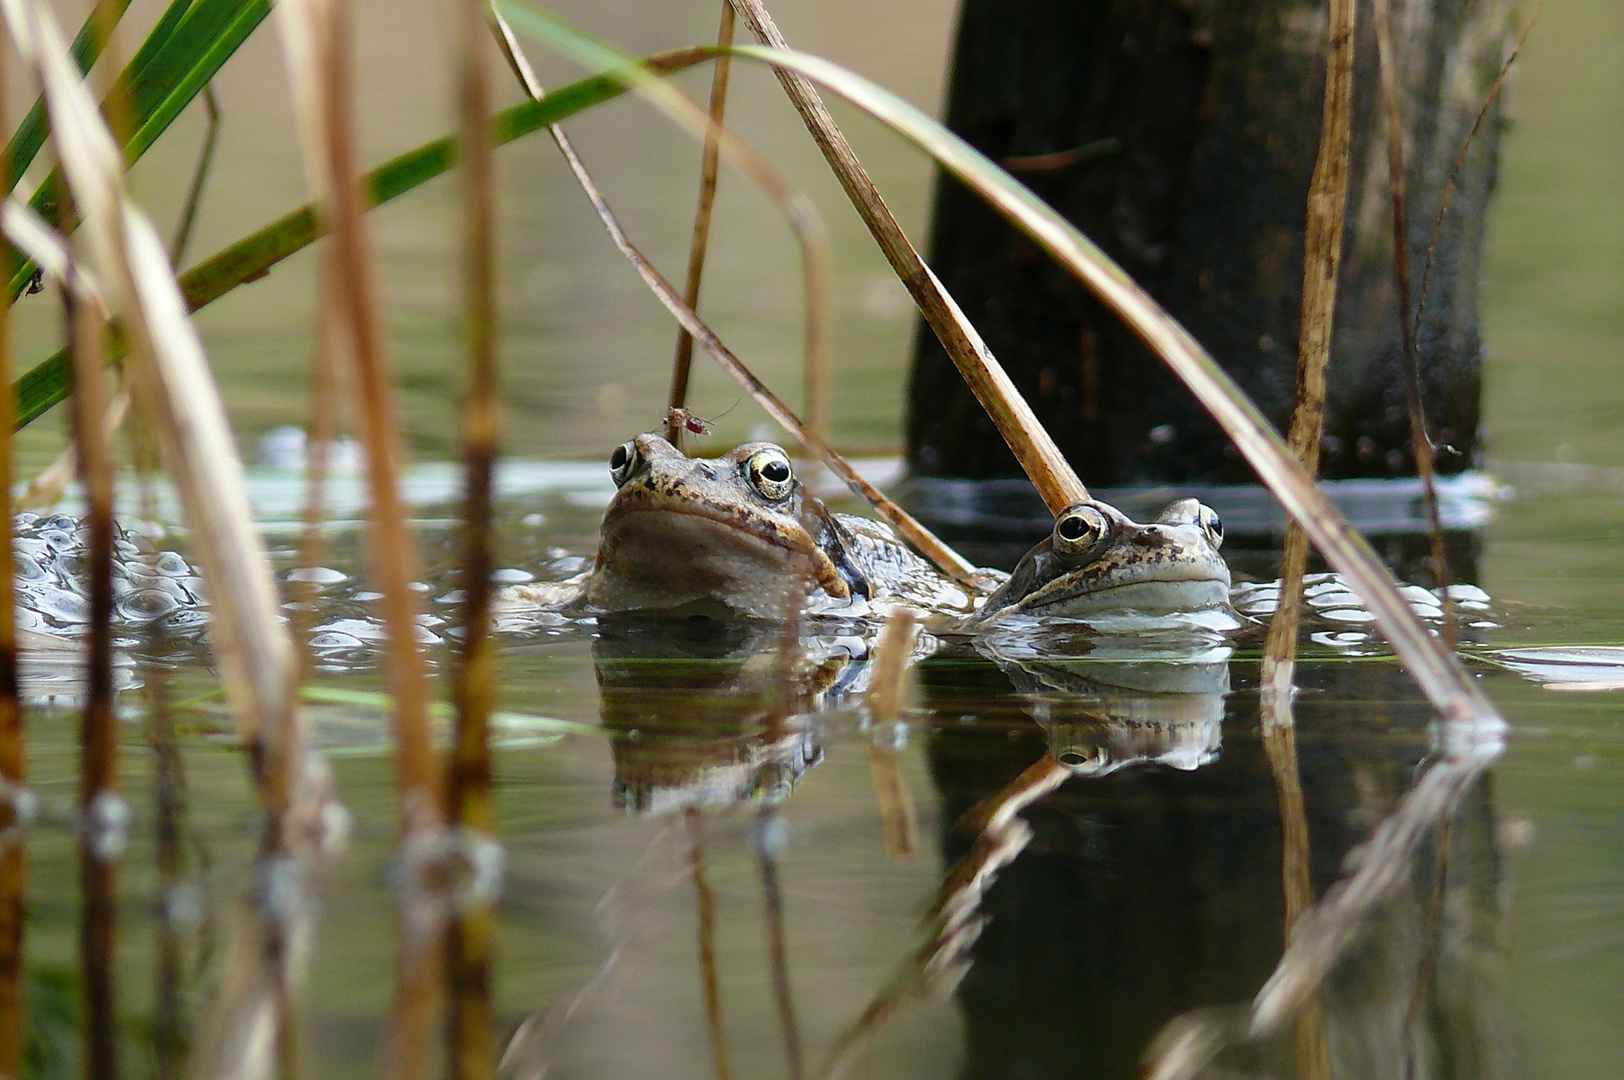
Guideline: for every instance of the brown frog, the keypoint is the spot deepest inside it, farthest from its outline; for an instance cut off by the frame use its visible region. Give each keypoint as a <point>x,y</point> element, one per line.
<point>738,530</point>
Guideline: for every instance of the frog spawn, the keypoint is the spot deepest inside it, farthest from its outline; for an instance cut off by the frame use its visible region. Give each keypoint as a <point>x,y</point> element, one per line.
<point>1340,620</point>
<point>52,581</point>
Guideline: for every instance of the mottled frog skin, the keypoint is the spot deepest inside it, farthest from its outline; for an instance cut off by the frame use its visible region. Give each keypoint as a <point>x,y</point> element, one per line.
<point>741,530</point>
<point>1097,560</point>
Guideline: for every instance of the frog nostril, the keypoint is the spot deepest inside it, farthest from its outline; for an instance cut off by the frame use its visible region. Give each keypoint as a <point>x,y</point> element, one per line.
<point>1150,538</point>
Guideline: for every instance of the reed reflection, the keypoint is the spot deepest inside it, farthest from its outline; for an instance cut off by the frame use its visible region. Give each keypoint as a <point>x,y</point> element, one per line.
<point>1147,893</point>
<point>696,715</point>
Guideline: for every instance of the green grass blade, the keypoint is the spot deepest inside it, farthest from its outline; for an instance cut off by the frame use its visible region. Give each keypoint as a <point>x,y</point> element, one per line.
<point>163,79</point>
<point>46,384</point>
<point>30,134</point>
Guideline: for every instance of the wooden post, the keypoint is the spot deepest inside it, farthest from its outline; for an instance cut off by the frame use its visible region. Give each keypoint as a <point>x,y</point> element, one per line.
<point>1181,136</point>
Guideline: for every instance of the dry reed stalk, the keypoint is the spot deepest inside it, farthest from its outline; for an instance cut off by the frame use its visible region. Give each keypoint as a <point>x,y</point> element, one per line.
<point>884,698</point>
<point>13,768</point>
<point>172,382</point>
<point>767,844</point>
<point>952,924</point>
<point>1324,934</point>
<point>200,177</point>
<point>941,556</point>
<point>705,902</point>
<point>317,41</point>
<point>709,164</point>
<point>1322,257</point>
<point>1421,441</point>
<point>1436,670</point>
<point>1017,423</point>
<point>103,814</point>
<point>468,783</point>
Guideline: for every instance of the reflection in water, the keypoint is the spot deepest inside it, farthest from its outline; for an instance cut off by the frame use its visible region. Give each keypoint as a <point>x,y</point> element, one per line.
<point>707,731</point>
<point>1146,893</point>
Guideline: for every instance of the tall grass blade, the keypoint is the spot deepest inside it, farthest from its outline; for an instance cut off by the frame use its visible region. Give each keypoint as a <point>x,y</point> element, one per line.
<point>25,143</point>
<point>1434,668</point>
<point>1040,458</point>
<point>473,926</point>
<point>45,384</point>
<point>158,85</point>
<point>710,162</point>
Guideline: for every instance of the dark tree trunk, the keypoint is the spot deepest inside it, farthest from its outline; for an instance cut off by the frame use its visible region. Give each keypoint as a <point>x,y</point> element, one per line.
<point>1181,137</point>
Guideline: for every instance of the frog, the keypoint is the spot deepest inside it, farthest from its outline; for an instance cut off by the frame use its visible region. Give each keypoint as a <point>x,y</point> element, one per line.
<point>1097,560</point>
<point>740,529</point>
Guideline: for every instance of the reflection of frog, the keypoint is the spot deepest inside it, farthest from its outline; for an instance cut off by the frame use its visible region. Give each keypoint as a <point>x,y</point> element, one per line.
<point>1120,706</point>
<point>734,529</point>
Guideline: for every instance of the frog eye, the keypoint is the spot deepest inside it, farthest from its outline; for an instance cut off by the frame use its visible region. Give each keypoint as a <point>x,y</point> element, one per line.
<point>1080,530</point>
<point>1211,524</point>
<point>770,474</point>
<point>625,463</point>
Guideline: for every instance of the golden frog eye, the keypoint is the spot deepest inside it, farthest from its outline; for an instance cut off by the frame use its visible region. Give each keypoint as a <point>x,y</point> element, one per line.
<point>1211,524</point>
<point>1080,530</point>
<point>625,462</point>
<point>769,473</point>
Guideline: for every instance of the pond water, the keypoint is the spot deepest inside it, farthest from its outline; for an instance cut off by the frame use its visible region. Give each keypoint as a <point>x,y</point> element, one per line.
<point>1150,883</point>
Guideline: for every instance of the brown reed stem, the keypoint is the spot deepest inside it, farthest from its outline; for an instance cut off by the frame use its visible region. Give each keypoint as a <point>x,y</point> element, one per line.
<point>777,949</point>
<point>13,771</point>
<point>356,298</point>
<point>100,808</point>
<point>706,904</point>
<point>394,559</point>
<point>708,170</point>
<point>468,783</point>
<point>1401,276</point>
<point>1322,258</point>
<point>200,177</point>
<point>943,557</point>
<point>1040,458</point>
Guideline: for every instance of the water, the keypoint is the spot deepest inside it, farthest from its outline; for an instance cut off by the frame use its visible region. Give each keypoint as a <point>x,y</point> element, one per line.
<point>1147,889</point>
